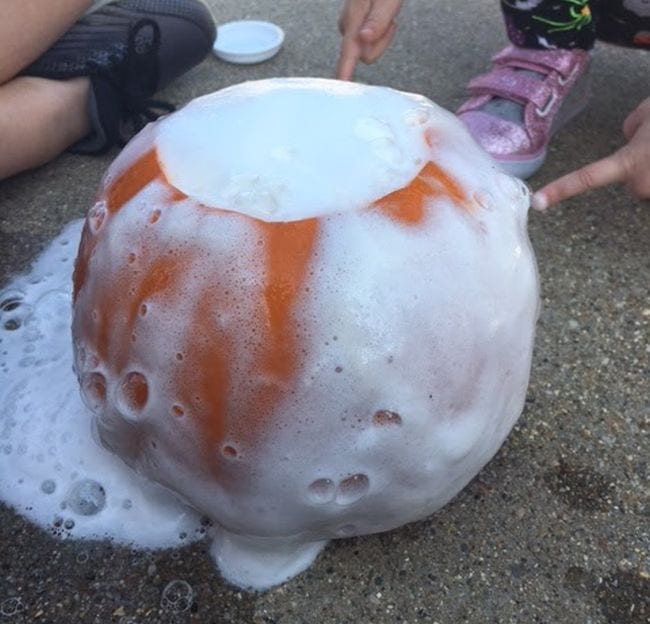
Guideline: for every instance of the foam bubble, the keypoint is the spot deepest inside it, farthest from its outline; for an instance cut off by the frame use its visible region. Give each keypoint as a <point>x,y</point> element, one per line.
<point>10,300</point>
<point>229,451</point>
<point>11,324</point>
<point>177,596</point>
<point>352,489</point>
<point>93,387</point>
<point>11,606</point>
<point>87,497</point>
<point>321,491</point>
<point>48,486</point>
<point>133,393</point>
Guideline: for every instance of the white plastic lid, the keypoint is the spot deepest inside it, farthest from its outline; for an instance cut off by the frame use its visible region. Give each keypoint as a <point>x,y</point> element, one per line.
<point>248,41</point>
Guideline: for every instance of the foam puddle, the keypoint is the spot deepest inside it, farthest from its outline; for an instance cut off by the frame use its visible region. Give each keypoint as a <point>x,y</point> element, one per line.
<point>51,469</point>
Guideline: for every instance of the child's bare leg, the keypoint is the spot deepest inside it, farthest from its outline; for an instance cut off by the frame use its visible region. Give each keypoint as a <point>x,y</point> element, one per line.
<point>39,119</point>
<point>29,27</point>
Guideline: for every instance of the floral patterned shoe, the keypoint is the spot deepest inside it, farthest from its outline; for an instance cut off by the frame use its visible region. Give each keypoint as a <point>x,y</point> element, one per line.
<point>516,108</point>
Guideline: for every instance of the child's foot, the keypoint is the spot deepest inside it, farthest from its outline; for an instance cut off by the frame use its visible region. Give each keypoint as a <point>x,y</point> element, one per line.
<point>516,108</point>
<point>128,49</point>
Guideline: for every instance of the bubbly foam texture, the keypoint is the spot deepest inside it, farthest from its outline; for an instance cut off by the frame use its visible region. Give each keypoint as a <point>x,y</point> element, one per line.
<point>295,160</point>
<point>337,352</point>
<point>51,468</point>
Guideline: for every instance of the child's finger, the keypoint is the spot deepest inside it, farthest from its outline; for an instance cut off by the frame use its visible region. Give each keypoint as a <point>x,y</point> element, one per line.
<point>635,119</point>
<point>350,53</point>
<point>350,23</point>
<point>379,19</point>
<point>600,173</point>
<point>353,15</point>
<point>371,52</point>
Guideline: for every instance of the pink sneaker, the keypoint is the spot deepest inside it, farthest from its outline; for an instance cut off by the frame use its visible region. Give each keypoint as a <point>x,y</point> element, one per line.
<point>516,108</point>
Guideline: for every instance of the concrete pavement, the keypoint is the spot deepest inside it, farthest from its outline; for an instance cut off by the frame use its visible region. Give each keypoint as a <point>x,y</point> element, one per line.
<point>555,529</point>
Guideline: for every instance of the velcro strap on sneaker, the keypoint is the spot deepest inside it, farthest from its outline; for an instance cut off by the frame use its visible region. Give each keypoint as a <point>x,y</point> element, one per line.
<point>511,85</point>
<point>564,62</point>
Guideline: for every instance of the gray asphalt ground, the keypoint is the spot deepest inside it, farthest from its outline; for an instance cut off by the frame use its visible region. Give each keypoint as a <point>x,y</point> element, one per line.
<point>555,529</point>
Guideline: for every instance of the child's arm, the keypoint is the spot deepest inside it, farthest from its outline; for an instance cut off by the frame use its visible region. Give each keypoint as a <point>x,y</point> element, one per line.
<point>630,165</point>
<point>367,27</point>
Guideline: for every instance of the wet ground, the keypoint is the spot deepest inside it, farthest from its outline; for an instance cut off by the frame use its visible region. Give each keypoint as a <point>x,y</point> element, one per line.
<point>555,529</point>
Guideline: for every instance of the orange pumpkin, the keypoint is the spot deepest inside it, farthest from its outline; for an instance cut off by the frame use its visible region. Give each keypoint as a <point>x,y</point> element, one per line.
<point>306,330</point>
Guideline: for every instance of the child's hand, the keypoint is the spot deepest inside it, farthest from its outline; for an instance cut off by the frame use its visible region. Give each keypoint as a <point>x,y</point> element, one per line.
<point>630,165</point>
<point>367,27</point>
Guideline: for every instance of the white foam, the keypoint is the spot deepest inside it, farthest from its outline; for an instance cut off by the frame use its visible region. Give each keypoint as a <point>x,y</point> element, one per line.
<point>411,335</point>
<point>260,563</point>
<point>341,158</point>
<point>47,451</point>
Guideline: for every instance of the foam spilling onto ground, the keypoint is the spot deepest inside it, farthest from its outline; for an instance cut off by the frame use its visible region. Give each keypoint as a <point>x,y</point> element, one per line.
<point>306,307</point>
<point>52,470</point>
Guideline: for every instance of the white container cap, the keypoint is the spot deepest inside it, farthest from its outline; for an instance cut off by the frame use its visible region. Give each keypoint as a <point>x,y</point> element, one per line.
<point>248,41</point>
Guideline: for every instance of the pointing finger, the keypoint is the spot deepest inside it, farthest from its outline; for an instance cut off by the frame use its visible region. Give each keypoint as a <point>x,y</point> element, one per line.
<point>350,52</point>
<point>600,173</point>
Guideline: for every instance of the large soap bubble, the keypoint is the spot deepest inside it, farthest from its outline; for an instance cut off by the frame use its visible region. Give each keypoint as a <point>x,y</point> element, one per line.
<point>307,307</point>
